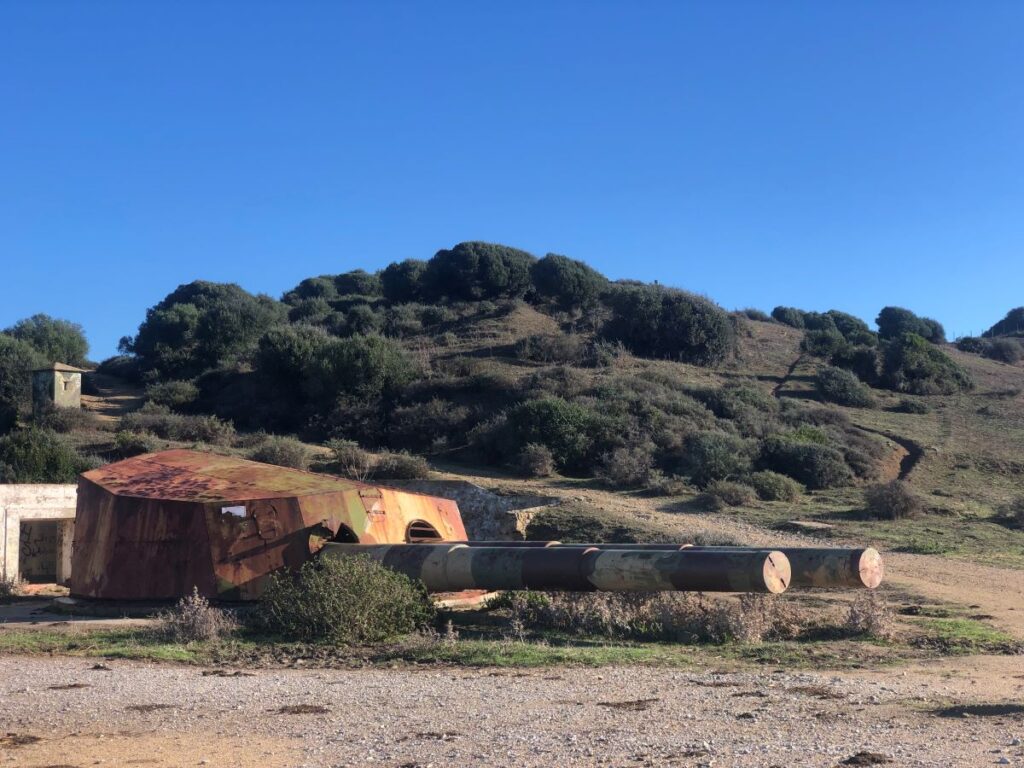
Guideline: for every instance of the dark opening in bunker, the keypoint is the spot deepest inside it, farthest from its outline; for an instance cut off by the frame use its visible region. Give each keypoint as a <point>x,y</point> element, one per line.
<point>37,551</point>
<point>420,532</point>
<point>345,535</point>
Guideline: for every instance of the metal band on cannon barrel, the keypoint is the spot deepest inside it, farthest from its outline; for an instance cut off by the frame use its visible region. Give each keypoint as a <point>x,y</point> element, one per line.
<point>456,567</point>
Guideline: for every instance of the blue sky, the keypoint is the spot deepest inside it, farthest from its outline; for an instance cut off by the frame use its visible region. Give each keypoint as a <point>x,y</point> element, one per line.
<point>840,154</point>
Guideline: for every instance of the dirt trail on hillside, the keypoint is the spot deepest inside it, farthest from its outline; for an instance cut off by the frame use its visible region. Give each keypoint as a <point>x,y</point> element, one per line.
<point>113,397</point>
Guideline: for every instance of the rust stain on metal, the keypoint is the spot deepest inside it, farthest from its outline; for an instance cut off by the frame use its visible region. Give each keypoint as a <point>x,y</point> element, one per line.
<point>154,526</point>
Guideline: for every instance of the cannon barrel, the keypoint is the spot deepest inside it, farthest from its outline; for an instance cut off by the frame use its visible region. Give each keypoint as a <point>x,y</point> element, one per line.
<point>812,567</point>
<point>453,567</point>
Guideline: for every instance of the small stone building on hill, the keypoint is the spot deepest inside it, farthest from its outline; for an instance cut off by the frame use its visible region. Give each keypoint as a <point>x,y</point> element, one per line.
<point>57,386</point>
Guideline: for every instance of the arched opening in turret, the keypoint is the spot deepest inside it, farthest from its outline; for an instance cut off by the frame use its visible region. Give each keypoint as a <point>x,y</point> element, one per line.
<point>420,532</point>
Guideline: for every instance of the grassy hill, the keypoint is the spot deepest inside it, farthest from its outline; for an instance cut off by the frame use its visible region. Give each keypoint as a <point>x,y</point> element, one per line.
<point>487,362</point>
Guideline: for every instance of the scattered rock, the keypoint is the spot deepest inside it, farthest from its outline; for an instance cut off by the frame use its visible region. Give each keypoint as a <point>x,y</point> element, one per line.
<point>636,705</point>
<point>866,758</point>
<point>301,709</point>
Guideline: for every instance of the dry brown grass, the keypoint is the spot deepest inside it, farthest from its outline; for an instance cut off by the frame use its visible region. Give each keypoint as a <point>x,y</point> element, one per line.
<point>871,616</point>
<point>193,619</point>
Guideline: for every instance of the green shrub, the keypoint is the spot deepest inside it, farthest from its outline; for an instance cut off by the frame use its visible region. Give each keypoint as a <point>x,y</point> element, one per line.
<point>659,322</point>
<point>729,494</point>
<point>312,288</point>
<point>551,348</point>
<point>911,364</point>
<point>628,466</point>
<point>65,420</point>
<point>1008,351</point>
<point>342,601</point>
<point>402,281</point>
<point>128,444</point>
<point>174,426</point>
<point>841,387</point>
<point>535,460</point>
<point>816,466</point>
<point>361,366</point>
<point>419,425</point>
<point>892,501</point>
<point>1012,324</point>
<point>39,456</point>
<point>710,456</point>
<point>435,314</point>
<point>862,361</point>
<point>570,283</point>
<point>362,319</point>
<point>820,321</point>
<point>119,366</point>
<point>56,341</point>
<point>771,486</point>
<point>401,466</point>
<point>972,344</point>
<point>912,406</point>
<point>200,326</point>
<point>17,359</point>
<point>350,460</point>
<point>569,430</point>
<point>173,394</point>
<point>853,329</point>
<point>473,271</point>
<point>358,283</point>
<point>790,316</point>
<point>756,315</point>
<point>282,451</point>
<point>822,343</point>
<point>894,322</point>
<point>1012,513</point>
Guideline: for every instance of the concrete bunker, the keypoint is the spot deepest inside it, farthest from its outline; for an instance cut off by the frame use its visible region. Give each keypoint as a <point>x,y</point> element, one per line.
<point>37,524</point>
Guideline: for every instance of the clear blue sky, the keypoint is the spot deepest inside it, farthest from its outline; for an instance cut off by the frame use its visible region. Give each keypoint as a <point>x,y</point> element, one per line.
<point>818,154</point>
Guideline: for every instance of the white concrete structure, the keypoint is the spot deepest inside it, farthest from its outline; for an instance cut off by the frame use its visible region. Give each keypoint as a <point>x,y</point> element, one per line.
<point>37,527</point>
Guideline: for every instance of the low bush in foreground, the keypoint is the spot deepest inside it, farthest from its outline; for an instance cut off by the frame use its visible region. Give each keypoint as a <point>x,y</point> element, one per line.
<point>193,619</point>
<point>894,500</point>
<point>771,486</point>
<point>343,601</point>
<point>870,616</point>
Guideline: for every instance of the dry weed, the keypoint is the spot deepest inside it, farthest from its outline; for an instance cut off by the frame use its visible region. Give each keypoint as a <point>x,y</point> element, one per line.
<point>193,619</point>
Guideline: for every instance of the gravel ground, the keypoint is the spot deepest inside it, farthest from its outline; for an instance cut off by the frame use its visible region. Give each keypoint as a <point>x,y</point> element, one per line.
<point>556,717</point>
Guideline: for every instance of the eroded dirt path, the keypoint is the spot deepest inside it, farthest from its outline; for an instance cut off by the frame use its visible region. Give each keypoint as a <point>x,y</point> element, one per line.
<point>177,716</point>
<point>113,397</point>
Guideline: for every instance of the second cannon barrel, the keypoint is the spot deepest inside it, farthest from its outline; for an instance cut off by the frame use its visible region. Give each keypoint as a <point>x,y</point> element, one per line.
<point>450,567</point>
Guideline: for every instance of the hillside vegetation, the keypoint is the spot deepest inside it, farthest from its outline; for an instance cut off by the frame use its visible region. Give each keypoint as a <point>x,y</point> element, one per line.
<point>485,356</point>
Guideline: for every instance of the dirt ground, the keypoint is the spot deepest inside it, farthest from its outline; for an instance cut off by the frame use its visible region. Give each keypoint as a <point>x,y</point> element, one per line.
<point>64,711</point>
